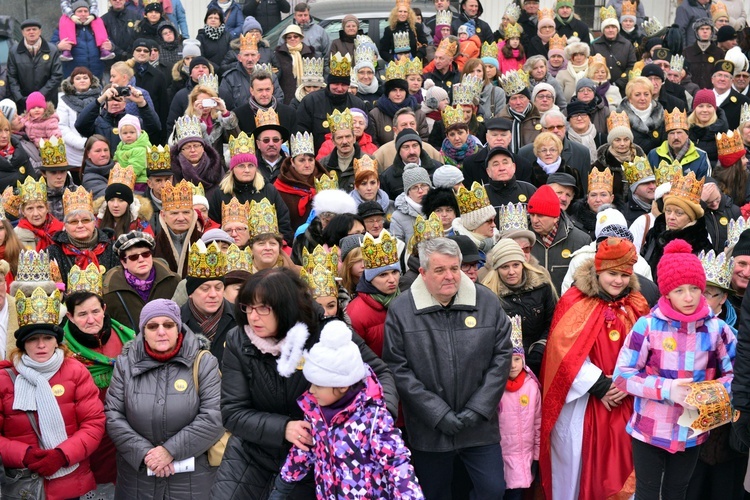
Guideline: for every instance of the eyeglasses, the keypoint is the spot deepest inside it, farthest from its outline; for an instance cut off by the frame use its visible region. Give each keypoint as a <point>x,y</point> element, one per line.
<point>544,96</point>
<point>292,35</point>
<point>168,325</point>
<point>262,310</point>
<point>275,140</point>
<point>80,222</point>
<point>192,146</point>
<point>374,222</point>
<point>555,127</point>
<point>468,267</point>
<point>136,256</point>
<point>326,215</point>
<point>743,76</point>
<point>236,230</point>
<point>710,295</point>
<point>142,50</point>
<point>548,151</point>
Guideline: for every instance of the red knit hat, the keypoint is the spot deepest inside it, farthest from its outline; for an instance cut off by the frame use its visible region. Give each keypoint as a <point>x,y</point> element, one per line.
<point>615,254</point>
<point>678,266</point>
<point>544,202</point>
<point>704,96</point>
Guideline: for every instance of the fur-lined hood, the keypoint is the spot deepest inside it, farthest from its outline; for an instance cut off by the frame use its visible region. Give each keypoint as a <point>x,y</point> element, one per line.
<point>586,281</point>
<point>140,208</point>
<point>535,278</point>
<point>68,89</point>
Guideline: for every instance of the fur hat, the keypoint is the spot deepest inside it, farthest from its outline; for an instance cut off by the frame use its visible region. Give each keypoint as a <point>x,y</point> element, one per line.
<point>334,361</point>
<point>413,175</point>
<point>439,197</point>
<point>335,201</point>
<point>157,308</point>
<point>615,254</point>
<point>678,266</point>
<point>576,47</point>
<point>544,202</point>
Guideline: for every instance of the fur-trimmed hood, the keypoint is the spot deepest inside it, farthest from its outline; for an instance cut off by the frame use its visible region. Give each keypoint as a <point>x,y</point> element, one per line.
<point>535,278</point>
<point>586,281</point>
<point>140,208</point>
<point>68,89</point>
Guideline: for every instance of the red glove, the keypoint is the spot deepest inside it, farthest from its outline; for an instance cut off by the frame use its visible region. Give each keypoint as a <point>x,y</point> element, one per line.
<point>33,455</point>
<point>52,462</point>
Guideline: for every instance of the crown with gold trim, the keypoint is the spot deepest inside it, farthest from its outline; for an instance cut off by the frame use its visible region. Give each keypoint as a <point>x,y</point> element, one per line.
<point>472,200</point>
<point>477,84</point>
<point>558,42</point>
<point>263,219</point>
<point>403,3</point>
<point>687,187</point>
<point>302,143</point>
<point>601,180</point>
<point>267,117</point>
<point>414,67</point>
<point>312,69</point>
<point>395,70</point>
<point>637,170</point>
<point>85,280</point>
<point>401,42</point>
<point>489,50</point>
<point>718,269</point>
<point>326,182</point>
<point>365,163</point>
<point>53,152</point>
<point>319,270</point>
<point>677,62</point>
<point>616,119</point>
<point>713,403</point>
<point>39,308</point>
<point>652,27</point>
<point>11,202</point>
<point>514,82</point>
<point>513,11</point>
<point>187,127</point>
<point>234,211</point>
<point>448,45</point>
<point>512,31</point>
<point>33,267</point>
<point>179,197</point>
<point>119,175</point>
<point>31,190</point>
<point>198,189</point>
<point>634,73</point>
<point>381,251</point>
<point>239,260</point>
<point>443,18</point>
<point>597,59</point>
<point>512,218</point>
<point>677,119</point>
<point>340,120</point>
<point>249,42</point>
<point>607,13</point>
<point>210,81</point>
<point>718,9</point>
<point>629,9</point>
<point>158,159</point>
<point>735,228</point>
<point>516,335</point>
<point>242,144</point>
<point>80,199</point>
<point>206,262</point>
<point>453,115</point>
<point>545,14</point>
<point>729,143</point>
<point>667,172</point>
<point>341,65</point>
<point>364,53</point>
<point>463,94</point>
<point>425,229</point>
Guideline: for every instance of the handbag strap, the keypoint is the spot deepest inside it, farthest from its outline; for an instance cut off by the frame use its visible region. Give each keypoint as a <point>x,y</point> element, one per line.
<point>196,365</point>
<point>29,414</point>
<point>127,311</point>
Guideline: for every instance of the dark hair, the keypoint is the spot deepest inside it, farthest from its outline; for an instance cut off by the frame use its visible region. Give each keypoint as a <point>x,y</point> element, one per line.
<point>77,298</point>
<point>417,11</point>
<point>285,293</point>
<point>508,52</point>
<point>90,144</point>
<point>81,70</point>
<point>140,244</point>
<point>214,11</point>
<point>120,227</point>
<point>301,7</point>
<point>338,227</point>
<point>260,75</point>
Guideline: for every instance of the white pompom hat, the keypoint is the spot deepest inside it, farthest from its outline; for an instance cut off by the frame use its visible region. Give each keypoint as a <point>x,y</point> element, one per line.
<point>335,360</point>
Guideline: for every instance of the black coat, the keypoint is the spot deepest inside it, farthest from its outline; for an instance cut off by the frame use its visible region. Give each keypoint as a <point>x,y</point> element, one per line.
<point>18,168</point>
<point>153,81</point>
<point>717,221</point>
<point>659,236</point>
<point>108,259</point>
<point>284,63</point>
<point>701,63</point>
<point>513,191</point>
<point>620,56</point>
<point>539,176</point>
<point>94,119</point>
<point>446,80</point>
<point>484,32</point>
<point>121,31</point>
<point>705,137</point>
<point>673,96</point>
<point>266,12</point>
<point>346,177</point>
<point>41,73</point>
<point>741,380</point>
<point>632,210</point>
<point>391,180</point>
<point>575,27</point>
<point>226,324</point>
<point>214,50</point>
<point>417,41</point>
<point>536,47</point>
<point>475,171</point>
<point>314,109</point>
<point>732,107</point>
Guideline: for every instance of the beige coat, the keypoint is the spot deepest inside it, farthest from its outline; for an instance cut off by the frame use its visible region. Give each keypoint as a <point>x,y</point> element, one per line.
<point>386,154</point>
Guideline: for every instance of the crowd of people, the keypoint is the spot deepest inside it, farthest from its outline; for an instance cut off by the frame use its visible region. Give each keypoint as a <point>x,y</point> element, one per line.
<point>469,261</point>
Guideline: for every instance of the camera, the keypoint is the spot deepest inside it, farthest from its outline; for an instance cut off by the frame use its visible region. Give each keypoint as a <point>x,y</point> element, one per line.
<point>123,91</point>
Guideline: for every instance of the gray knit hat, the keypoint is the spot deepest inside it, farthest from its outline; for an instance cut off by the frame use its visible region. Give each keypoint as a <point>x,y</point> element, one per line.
<point>349,243</point>
<point>160,307</point>
<point>407,135</point>
<point>191,48</point>
<point>447,176</point>
<point>413,175</point>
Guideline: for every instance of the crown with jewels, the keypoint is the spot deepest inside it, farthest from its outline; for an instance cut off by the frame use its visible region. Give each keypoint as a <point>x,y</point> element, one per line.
<point>326,182</point>
<point>512,218</point>
<point>745,114</point>
<point>516,335</point>
<point>425,229</point>
<point>453,115</point>
<point>158,159</point>
<point>381,251</point>
<point>448,46</point>
<point>414,67</point>
<point>187,127</point>
<point>234,211</point>
<point>652,27</point>
<point>119,175</point>
<point>513,31</point>
<point>312,68</point>
<point>616,119</point>
<point>239,260</point>
<point>473,199</point>
<point>597,58</point>
<point>395,70</point>
<point>179,197</point>
<point>607,13</point>
<point>687,187</point>
<point>364,53</point>
<point>242,144</point>
<point>489,50</point>
<point>31,190</point>
<point>33,267</point>
<point>601,180</point>
<point>634,73</point>
<point>262,219</point>
<point>249,42</point>
<point>513,11</point>
<point>341,65</point>
<point>319,270</point>
<point>667,172</point>
<point>53,152</point>
<point>365,163</point>
<point>403,3</point>
<point>11,202</point>
<point>514,82</point>
<point>729,143</point>
<point>401,42</point>
<point>80,199</point>
<point>340,120</point>
<point>476,83</point>
<point>210,81</point>
<point>85,280</point>
<point>39,308</point>
<point>629,8</point>
<point>713,403</point>
<point>718,269</point>
<point>206,261</point>
<point>443,18</point>
<point>266,117</point>
<point>677,62</point>
<point>265,67</point>
<point>558,42</point>
<point>718,9</point>
<point>677,119</point>
<point>545,14</point>
<point>302,143</point>
<point>637,170</point>
<point>463,94</point>
<point>735,228</point>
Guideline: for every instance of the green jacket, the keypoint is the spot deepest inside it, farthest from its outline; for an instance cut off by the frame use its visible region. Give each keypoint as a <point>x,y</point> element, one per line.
<point>134,154</point>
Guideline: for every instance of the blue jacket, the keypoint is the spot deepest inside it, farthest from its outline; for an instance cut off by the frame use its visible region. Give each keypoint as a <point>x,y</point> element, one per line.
<point>85,52</point>
<point>695,159</point>
<point>233,18</point>
<point>179,18</point>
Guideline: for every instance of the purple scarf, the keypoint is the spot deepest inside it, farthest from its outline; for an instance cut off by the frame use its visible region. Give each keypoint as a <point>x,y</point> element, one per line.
<point>207,171</point>
<point>471,146</point>
<point>601,90</point>
<point>141,287</point>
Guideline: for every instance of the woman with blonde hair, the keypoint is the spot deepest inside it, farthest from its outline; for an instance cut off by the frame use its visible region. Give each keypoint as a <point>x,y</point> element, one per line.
<point>10,249</point>
<point>599,73</point>
<point>121,74</point>
<point>645,113</point>
<point>352,263</point>
<point>705,122</point>
<point>217,121</point>
<point>548,150</point>
<point>402,19</point>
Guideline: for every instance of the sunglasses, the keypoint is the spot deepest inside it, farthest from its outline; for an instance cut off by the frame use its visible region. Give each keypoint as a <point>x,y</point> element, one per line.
<point>134,258</point>
<point>275,140</point>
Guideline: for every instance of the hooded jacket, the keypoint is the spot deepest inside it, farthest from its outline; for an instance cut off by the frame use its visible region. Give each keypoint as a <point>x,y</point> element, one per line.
<point>687,13</point>
<point>70,105</point>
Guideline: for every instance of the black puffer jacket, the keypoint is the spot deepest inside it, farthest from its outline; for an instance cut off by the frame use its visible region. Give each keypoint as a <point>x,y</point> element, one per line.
<point>121,31</point>
<point>717,221</point>
<point>17,168</point>
<point>314,109</point>
<point>659,236</point>
<point>94,119</point>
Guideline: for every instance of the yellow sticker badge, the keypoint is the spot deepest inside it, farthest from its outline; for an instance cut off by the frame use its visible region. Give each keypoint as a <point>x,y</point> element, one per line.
<point>470,321</point>
<point>669,344</point>
<point>45,57</point>
<point>325,123</point>
<point>655,133</point>
<point>58,390</point>
<point>565,253</point>
<point>180,384</point>
<point>524,400</point>
<point>537,127</point>
<point>522,198</point>
<point>723,221</point>
<point>387,128</point>
<point>614,335</point>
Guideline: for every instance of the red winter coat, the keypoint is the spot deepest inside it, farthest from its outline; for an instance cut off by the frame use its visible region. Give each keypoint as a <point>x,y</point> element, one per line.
<point>368,320</point>
<point>83,413</point>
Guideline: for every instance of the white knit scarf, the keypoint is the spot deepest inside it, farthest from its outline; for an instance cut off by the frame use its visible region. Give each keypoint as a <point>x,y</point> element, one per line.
<point>587,139</point>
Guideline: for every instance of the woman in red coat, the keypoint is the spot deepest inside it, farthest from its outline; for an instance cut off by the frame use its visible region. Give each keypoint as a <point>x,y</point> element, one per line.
<point>54,389</point>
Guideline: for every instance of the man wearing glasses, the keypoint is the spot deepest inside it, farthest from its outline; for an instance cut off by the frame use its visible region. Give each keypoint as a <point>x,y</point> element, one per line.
<point>268,140</point>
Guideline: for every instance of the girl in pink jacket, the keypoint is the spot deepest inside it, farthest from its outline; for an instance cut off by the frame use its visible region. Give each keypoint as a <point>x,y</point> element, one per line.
<point>40,120</point>
<point>520,412</point>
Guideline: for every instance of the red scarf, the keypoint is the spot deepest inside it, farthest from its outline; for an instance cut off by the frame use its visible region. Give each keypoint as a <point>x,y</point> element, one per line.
<point>84,256</point>
<point>163,357</point>
<point>8,151</point>
<point>514,384</point>
<point>305,195</point>
<point>45,233</point>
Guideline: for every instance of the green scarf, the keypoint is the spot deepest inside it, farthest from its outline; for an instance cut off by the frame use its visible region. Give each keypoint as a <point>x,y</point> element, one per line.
<point>385,300</point>
<point>100,366</point>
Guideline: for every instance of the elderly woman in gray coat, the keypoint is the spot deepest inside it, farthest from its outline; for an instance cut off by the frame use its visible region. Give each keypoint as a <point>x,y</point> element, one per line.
<point>157,418</point>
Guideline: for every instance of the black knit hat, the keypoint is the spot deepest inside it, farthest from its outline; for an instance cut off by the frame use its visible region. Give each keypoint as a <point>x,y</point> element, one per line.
<point>439,197</point>
<point>26,332</point>
<point>118,190</point>
<point>743,245</point>
<point>157,6</point>
<point>200,60</point>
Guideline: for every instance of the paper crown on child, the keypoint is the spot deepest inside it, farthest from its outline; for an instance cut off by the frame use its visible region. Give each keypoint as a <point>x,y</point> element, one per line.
<point>516,335</point>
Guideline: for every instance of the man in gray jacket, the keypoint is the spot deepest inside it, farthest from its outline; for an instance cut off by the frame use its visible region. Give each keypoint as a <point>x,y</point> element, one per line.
<point>314,34</point>
<point>447,342</point>
<point>688,12</point>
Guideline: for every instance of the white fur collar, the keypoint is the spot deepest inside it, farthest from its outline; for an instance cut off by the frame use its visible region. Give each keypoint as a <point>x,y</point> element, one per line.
<point>467,294</point>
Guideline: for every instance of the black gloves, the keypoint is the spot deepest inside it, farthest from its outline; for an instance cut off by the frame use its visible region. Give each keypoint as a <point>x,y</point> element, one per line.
<point>470,418</point>
<point>450,425</point>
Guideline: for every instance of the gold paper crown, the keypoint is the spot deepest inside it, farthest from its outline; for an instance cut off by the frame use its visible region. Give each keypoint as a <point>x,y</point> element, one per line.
<point>597,58</point>
<point>187,127</point>
<point>401,42</point>
<point>607,13</point>
<point>86,280</point>
<point>667,172</point>
<point>198,189</point>
<point>512,218</point>
<point>652,27</point>
<point>39,308</point>
<point>312,68</point>
<point>516,334</point>
<point>514,82</point>
<point>414,67</point>
<point>53,152</point>
<point>341,65</point>
<point>677,62</point>
<point>448,46</point>
<point>634,73</point>
<point>340,121</point>
<point>462,94</point>
<point>242,144</point>
<point>677,119</point>
<point>179,197</point>
<point>364,164</point>
<point>249,42</point>
<point>234,211</point>
<point>326,182</point>
<point>268,117</point>
<point>616,119</point>
<point>745,114</point>
<point>718,269</point>
<point>262,218</point>
<point>403,3</point>
<point>381,251</point>
<point>11,201</point>
<point>119,175</point>
<point>452,115</point>
<point>395,70</point>
<point>558,42</point>
<point>490,50</point>
<point>319,270</point>
<point>206,262</point>
<point>513,31</point>
<point>472,200</point>
<point>637,170</point>
<point>474,82</point>
<point>31,190</point>
<point>425,229</point>
<point>302,143</point>
<point>545,14</point>
<point>443,18</point>
<point>687,188</point>
<point>80,199</point>
<point>513,11</point>
<point>210,81</point>
<point>158,159</point>
<point>629,8</point>
<point>239,260</point>
<point>718,9</point>
<point>735,229</point>
<point>601,180</point>
<point>33,267</point>
<point>713,403</point>
<point>729,143</point>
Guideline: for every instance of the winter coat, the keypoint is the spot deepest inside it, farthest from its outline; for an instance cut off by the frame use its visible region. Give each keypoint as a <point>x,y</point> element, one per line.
<point>718,220</point>
<point>72,103</point>
<point>567,79</point>
<point>605,159</point>
<point>539,176</point>
<point>94,119</point>
<point>235,88</point>
<point>41,73</point>
<point>701,63</point>
<point>386,155</point>
<point>230,59</point>
<point>688,12</point>
<point>344,44</point>
<point>535,47</point>
<point>599,112</point>
<point>368,320</point>
<point>65,262</point>
<point>84,52</point>
<point>695,159</point>
<point>365,145</point>
<point>475,171</point>
<point>530,126</point>
<point>297,194</point>
<point>513,191</point>
<point>219,340</point>
<point>95,178</point>
<point>658,237</point>
<point>152,403</point>
<point>316,37</point>
<point>134,154</point>
<point>619,55</point>
<point>556,258</point>
<point>491,101</point>
<point>732,107</point>
<point>256,405</point>
<point>214,50</point>
<point>266,12</point>
<point>438,136</point>
<point>83,414</point>
<point>124,303</point>
<point>345,177</point>
<point>391,180</point>
<point>44,127</point>
<point>446,80</point>
<point>647,135</point>
<point>383,125</point>
<point>246,117</point>
<point>233,19</point>
<point>315,108</point>
<point>285,64</point>
<point>402,220</point>
<point>520,414</point>
<point>483,30</point>
<point>469,342</point>
<point>573,27</point>
<point>417,41</point>
<point>17,168</point>
<point>360,452</point>
<point>153,81</point>
<point>704,138</point>
<point>120,29</point>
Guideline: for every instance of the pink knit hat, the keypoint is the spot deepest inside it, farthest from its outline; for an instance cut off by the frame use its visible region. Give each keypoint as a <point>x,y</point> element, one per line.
<point>36,100</point>
<point>704,96</point>
<point>679,266</point>
<point>242,158</point>
<point>131,120</point>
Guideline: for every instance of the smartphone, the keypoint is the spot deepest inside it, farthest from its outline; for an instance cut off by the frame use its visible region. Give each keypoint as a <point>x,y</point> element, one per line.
<point>209,103</point>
